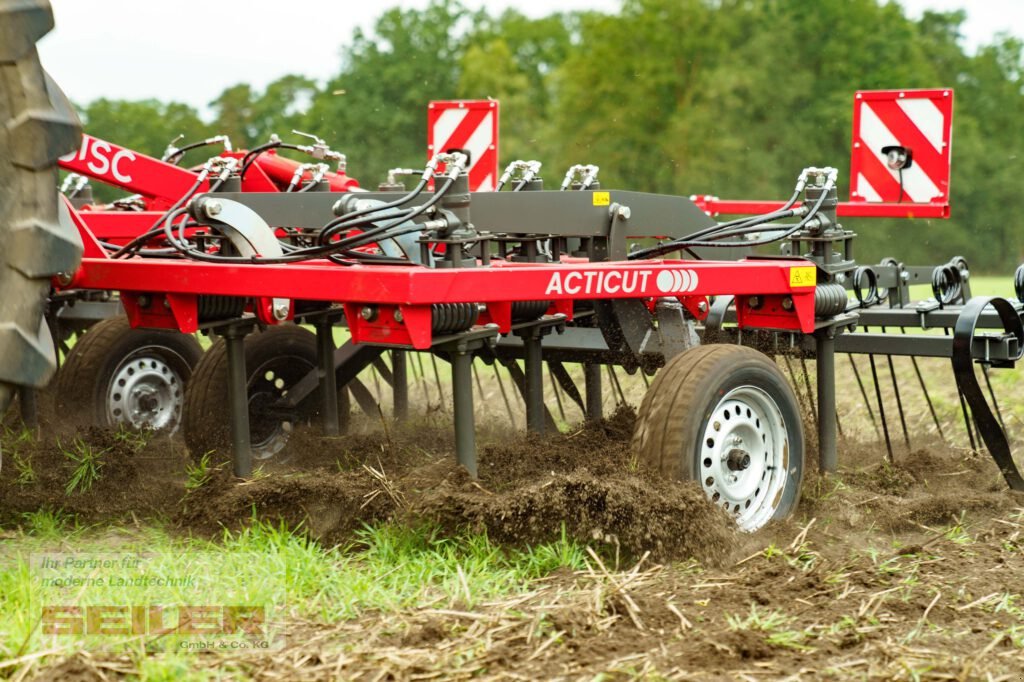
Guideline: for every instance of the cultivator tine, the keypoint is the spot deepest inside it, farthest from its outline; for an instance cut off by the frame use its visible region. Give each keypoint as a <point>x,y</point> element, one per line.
<point>899,400</point>
<point>992,394</point>
<point>810,392</point>
<point>927,395</point>
<point>479,385</point>
<point>881,406</point>
<point>504,394</point>
<point>967,423</point>
<point>561,375</point>
<point>558,393</point>
<point>519,379</point>
<point>421,377</point>
<point>620,397</point>
<point>365,399</point>
<point>437,381</point>
<point>864,394</point>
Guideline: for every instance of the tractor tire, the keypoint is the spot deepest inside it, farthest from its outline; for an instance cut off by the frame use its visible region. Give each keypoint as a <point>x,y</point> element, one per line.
<point>37,239</point>
<point>118,376</point>
<point>275,359</point>
<point>725,416</point>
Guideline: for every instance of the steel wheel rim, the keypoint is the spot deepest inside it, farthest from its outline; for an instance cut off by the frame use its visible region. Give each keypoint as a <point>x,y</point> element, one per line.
<point>267,385</point>
<point>744,456</point>
<point>145,392</point>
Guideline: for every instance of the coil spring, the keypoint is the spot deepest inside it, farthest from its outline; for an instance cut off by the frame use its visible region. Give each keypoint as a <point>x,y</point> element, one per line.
<point>213,308</point>
<point>1018,283</point>
<point>829,300</point>
<point>449,318</point>
<point>947,281</point>
<point>862,276</point>
<point>524,311</point>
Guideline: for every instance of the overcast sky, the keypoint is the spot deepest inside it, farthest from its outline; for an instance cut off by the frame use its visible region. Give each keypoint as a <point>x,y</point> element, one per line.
<point>135,49</point>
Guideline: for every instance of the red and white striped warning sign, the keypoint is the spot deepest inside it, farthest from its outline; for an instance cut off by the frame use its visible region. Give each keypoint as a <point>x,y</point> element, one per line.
<point>902,141</point>
<point>469,126</point>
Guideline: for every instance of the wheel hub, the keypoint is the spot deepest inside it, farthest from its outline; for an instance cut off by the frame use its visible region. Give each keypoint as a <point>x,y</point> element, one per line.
<point>743,454</point>
<point>145,393</point>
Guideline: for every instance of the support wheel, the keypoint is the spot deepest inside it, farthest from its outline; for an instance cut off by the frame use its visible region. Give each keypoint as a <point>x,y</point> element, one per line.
<point>119,376</point>
<point>725,416</point>
<point>275,360</point>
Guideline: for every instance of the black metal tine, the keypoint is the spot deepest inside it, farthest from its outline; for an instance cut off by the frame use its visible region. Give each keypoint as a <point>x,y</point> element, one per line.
<point>881,406</point>
<point>421,377</point>
<point>795,383</point>
<point>558,395</point>
<point>992,394</point>
<point>864,394</point>
<point>479,386</point>
<point>927,395</point>
<point>437,379</point>
<point>963,410</point>
<point>647,382</point>
<point>376,384</point>
<point>810,393</point>
<point>620,399</point>
<point>899,400</point>
<point>504,395</point>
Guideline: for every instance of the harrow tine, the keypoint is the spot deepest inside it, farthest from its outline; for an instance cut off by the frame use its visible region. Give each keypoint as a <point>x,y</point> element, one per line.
<point>647,382</point>
<point>519,379</point>
<point>992,394</point>
<point>562,376</point>
<point>620,397</point>
<point>421,378</point>
<point>881,406</point>
<point>479,386</point>
<point>864,394</point>
<point>899,400</point>
<point>437,379</point>
<point>504,394</point>
<point>558,393</point>
<point>967,423</point>
<point>376,384</point>
<point>794,382</point>
<point>365,399</point>
<point>810,393</point>
<point>927,395</point>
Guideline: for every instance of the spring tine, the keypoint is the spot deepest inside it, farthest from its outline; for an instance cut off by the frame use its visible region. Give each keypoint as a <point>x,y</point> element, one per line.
<point>881,406</point>
<point>437,379</point>
<point>899,400</point>
<point>558,393</point>
<point>795,384</point>
<point>810,393</point>
<point>967,421</point>
<point>479,386</point>
<point>421,377</point>
<point>992,394</point>
<point>647,382</point>
<point>504,395</point>
<point>864,394</point>
<point>376,384</point>
<point>620,399</point>
<point>927,395</point>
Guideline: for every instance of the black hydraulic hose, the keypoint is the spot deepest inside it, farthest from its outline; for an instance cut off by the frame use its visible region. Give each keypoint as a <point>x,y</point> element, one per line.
<point>340,224</point>
<point>250,157</point>
<point>157,227</point>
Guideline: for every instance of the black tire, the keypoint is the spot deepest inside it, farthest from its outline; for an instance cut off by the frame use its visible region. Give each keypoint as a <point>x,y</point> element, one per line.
<point>37,125</point>
<point>116,375</point>
<point>721,415</point>
<point>274,360</point>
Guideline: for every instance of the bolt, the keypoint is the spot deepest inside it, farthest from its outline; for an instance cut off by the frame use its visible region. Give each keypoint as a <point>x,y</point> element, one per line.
<point>624,212</point>
<point>787,303</point>
<point>213,208</point>
<point>167,303</point>
<point>280,311</point>
<point>399,317</point>
<point>145,301</point>
<point>702,306</point>
<point>754,302</point>
<point>64,278</point>
<point>368,313</point>
<point>905,276</point>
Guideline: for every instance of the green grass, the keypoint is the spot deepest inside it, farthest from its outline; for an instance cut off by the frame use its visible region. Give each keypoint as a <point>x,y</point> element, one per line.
<point>387,568</point>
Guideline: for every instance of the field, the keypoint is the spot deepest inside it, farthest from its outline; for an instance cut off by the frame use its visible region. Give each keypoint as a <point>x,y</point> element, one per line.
<point>373,556</point>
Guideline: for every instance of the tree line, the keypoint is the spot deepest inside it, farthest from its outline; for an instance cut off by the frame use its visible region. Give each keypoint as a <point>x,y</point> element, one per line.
<point>723,97</point>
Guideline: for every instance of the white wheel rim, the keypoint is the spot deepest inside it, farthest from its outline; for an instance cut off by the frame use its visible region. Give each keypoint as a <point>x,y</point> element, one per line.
<point>145,393</point>
<point>744,456</point>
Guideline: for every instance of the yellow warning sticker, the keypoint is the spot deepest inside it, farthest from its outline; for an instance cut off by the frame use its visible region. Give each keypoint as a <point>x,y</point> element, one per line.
<point>602,198</point>
<point>803,276</point>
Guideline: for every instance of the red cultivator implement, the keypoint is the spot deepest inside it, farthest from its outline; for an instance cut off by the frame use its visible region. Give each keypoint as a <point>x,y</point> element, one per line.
<point>248,244</point>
